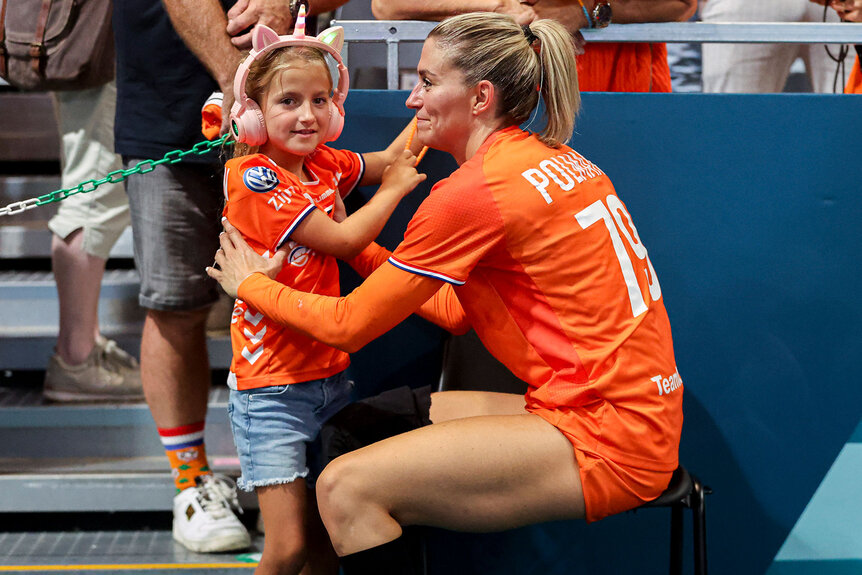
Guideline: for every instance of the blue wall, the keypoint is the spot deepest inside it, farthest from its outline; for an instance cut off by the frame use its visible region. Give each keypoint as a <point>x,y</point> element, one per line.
<point>750,206</point>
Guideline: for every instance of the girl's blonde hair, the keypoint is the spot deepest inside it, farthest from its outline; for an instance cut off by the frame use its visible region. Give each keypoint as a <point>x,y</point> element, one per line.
<point>263,72</point>
<point>493,47</point>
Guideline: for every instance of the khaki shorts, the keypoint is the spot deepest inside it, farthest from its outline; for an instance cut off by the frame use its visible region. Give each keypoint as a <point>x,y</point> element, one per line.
<point>86,121</point>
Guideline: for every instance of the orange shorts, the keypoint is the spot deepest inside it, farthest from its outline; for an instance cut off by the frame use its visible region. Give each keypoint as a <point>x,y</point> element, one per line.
<point>609,487</point>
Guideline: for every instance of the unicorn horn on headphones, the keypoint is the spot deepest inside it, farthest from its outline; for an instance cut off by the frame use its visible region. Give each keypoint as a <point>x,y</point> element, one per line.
<point>299,27</point>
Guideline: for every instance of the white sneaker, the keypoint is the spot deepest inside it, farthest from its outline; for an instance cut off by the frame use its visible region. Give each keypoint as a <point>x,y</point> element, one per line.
<point>204,519</point>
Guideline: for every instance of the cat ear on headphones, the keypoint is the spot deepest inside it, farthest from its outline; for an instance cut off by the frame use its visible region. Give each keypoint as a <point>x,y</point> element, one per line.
<point>333,36</point>
<point>262,36</point>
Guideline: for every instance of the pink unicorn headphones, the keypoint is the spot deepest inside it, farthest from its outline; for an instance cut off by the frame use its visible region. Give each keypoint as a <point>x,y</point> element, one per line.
<point>246,117</point>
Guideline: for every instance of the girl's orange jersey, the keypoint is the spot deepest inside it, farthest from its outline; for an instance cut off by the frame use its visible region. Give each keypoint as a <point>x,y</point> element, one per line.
<point>266,204</point>
<point>553,276</point>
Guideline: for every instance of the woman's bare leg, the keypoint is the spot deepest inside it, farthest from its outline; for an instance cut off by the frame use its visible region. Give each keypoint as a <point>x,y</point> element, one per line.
<point>449,405</point>
<point>474,474</point>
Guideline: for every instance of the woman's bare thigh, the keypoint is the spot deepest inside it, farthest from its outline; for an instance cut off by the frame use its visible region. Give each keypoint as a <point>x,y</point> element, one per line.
<point>449,405</point>
<point>473,474</point>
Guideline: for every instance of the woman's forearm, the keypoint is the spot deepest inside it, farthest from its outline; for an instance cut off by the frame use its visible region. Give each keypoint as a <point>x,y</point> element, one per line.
<point>442,309</point>
<point>383,301</point>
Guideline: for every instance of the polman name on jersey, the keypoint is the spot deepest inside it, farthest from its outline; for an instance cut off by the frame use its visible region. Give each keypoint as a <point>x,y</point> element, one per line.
<point>564,170</point>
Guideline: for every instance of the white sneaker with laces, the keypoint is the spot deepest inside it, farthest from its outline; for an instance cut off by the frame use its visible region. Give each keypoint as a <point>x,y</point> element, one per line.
<point>204,519</point>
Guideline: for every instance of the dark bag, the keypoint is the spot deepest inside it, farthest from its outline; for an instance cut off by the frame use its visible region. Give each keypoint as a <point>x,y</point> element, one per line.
<point>56,44</point>
<point>375,418</point>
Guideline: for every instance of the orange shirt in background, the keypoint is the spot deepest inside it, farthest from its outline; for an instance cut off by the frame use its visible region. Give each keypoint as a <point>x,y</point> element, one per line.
<point>624,67</point>
<point>854,82</point>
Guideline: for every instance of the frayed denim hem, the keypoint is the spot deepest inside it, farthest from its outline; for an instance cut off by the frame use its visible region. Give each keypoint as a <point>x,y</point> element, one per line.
<point>250,486</point>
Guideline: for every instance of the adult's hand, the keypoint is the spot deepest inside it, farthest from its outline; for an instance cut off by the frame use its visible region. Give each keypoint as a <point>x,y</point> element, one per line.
<point>247,13</point>
<point>566,12</point>
<point>850,10</point>
<point>522,12</point>
<point>236,261</point>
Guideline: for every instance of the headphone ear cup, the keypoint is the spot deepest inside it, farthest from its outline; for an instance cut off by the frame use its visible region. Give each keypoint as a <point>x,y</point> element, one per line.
<point>336,123</point>
<point>247,123</point>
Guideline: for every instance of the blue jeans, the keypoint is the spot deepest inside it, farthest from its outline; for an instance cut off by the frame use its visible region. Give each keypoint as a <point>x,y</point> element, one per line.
<point>273,427</point>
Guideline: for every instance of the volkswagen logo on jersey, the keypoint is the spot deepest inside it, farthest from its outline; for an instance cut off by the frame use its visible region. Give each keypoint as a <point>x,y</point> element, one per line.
<point>260,179</point>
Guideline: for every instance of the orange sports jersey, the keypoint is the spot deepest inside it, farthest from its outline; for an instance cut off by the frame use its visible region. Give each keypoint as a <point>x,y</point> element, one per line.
<point>266,203</point>
<point>552,274</point>
<point>624,67</point>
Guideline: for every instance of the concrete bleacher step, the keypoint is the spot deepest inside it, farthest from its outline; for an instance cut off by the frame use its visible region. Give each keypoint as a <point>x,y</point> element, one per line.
<point>26,234</point>
<point>29,318</point>
<point>95,457</point>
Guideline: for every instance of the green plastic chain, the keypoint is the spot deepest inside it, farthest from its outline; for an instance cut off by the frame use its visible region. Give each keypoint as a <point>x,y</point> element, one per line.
<point>115,177</point>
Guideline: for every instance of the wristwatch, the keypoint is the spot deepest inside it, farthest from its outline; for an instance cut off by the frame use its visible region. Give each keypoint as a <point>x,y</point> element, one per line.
<point>601,14</point>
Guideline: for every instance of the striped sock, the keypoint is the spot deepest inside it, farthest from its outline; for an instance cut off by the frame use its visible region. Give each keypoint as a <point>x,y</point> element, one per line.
<point>186,452</point>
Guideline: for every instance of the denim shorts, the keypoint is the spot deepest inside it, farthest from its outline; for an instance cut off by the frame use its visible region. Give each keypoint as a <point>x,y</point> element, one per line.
<point>273,427</point>
<point>176,221</point>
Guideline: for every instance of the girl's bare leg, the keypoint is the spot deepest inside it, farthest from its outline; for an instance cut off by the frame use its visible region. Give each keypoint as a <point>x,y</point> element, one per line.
<point>284,510</point>
<point>322,559</point>
<point>473,474</point>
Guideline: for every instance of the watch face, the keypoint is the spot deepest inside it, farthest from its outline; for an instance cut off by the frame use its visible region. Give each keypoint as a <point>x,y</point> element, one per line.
<point>602,14</point>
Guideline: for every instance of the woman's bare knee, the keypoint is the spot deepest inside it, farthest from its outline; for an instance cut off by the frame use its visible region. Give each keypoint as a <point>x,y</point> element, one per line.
<point>338,491</point>
<point>352,514</point>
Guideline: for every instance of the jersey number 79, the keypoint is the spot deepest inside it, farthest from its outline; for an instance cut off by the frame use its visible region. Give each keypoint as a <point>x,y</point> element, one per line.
<point>612,215</point>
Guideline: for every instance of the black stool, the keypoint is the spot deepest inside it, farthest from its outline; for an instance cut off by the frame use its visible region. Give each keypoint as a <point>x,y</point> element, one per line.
<point>685,491</point>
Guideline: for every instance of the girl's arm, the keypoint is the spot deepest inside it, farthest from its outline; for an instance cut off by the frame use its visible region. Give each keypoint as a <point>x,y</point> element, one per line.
<point>346,239</point>
<point>383,301</point>
<point>376,162</point>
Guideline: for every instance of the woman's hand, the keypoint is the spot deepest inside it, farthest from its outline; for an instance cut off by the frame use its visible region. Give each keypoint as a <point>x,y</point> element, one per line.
<point>236,261</point>
<point>401,174</point>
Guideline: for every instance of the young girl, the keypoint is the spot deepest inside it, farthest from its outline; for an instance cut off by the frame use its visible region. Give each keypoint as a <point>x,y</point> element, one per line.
<point>284,191</point>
